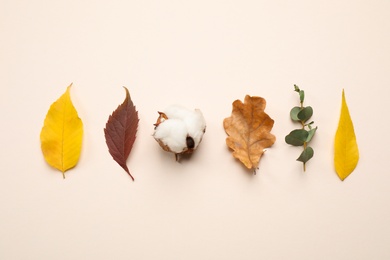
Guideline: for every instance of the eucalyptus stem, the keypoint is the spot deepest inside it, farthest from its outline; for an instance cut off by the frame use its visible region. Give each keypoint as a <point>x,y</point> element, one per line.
<point>304,148</point>
<point>301,137</point>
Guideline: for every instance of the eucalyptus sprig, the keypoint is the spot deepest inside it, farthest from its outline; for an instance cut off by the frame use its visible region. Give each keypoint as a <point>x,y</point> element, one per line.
<point>301,137</point>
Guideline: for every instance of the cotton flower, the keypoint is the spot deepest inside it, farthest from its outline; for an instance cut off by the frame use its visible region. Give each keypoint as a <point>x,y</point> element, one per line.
<point>179,130</point>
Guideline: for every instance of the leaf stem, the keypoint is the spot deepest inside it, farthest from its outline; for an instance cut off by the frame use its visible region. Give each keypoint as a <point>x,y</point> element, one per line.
<point>304,148</point>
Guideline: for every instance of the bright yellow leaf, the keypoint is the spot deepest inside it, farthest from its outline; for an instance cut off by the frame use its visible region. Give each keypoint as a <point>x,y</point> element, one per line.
<point>346,152</point>
<point>62,134</point>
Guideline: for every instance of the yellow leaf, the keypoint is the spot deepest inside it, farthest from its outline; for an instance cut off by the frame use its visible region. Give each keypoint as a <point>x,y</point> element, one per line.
<point>62,134</point>
<point>346,152</point>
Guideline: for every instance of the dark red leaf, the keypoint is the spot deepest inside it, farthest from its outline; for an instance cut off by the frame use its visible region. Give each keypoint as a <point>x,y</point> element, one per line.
<point>120,131</point>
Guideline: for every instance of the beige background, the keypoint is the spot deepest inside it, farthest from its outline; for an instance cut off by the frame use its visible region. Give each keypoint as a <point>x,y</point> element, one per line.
<point>201,54</point>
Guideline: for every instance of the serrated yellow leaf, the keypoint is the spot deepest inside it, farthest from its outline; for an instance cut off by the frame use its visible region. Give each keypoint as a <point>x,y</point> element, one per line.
<point>62,134</point>
<point>346,152</point>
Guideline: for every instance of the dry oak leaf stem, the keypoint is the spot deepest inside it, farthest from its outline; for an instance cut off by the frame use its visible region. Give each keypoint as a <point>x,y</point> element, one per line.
<point>248,129</point>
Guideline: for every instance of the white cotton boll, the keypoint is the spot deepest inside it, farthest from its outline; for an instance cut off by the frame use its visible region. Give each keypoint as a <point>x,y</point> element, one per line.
<point>177,112</point>
<point>179,130</point>
<point>172,133</point>
<point>196,126</point>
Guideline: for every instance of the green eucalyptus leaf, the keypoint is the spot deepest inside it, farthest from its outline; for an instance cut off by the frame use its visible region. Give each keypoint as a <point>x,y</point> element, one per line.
<point>311,134</point>
<point>305,114</point>
<point>302,95</point>
<point>296,88</point>
<point>294,113</point>
<point>297,137</point>
<point>306,155</point>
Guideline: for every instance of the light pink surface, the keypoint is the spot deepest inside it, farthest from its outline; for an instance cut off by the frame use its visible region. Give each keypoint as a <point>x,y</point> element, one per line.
<point>201,54</point>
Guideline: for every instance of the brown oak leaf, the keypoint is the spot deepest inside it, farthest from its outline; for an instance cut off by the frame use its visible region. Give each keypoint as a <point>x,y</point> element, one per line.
<point>248,129</point>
